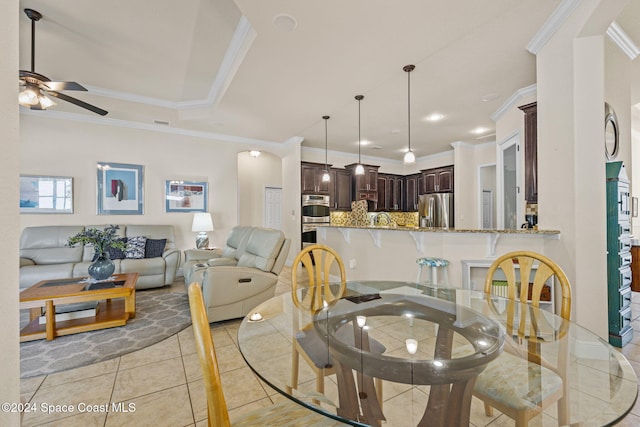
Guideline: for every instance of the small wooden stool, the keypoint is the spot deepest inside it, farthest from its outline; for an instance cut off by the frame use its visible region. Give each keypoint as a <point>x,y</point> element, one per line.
<point>434,264</point>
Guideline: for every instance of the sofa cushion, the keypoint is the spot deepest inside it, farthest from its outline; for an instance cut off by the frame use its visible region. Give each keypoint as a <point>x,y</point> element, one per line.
<point>262,249</point>
<point>48,244</point>
<point>154,248</point>
<point>135,247</point>
<point>153,232</point>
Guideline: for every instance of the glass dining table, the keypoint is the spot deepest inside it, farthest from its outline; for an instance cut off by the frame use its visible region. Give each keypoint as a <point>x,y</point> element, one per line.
<point>409,354</point>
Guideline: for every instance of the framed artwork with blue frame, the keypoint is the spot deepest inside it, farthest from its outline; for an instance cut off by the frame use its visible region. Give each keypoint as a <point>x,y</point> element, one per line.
<point>186,196</point>
<point>120,189</point>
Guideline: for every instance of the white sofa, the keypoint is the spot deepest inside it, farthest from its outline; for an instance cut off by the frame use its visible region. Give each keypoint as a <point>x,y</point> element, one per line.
<point>242,275</point>
<point>44,254</point>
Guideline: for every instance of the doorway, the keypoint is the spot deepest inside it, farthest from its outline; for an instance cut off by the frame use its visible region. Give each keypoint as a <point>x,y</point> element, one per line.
<point>486,196</point>
<point>509,210</point>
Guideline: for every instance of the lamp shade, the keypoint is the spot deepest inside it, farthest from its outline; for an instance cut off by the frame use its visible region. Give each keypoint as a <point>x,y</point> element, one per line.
<point>202,222</point>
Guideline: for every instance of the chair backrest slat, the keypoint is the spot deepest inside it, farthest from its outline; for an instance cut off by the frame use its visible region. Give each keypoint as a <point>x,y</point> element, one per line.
<point>218,413</point>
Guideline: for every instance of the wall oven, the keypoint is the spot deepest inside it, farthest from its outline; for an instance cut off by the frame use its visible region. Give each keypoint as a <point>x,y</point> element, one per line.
<point>315,211</point>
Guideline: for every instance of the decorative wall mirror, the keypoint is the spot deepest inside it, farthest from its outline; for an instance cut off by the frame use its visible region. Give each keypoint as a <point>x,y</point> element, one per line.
<point>610,132</point>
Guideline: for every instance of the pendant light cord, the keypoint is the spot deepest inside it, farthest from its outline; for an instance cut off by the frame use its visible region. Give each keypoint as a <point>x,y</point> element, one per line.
<point>359,98</point>
<point>326,161</point>
<point>409,108</point>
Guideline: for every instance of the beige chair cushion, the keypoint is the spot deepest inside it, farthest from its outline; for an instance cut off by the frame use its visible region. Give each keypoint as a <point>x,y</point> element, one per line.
<point>234,241</point>
<point>262,249</point>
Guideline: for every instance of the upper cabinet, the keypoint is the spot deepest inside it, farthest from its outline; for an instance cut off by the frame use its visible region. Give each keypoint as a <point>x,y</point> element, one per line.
<point>340,194</point>
<point>311,179</point>
<point>437,180</point>
<point>390,192</point>
<point>411,184</point>
<point>530,152</point>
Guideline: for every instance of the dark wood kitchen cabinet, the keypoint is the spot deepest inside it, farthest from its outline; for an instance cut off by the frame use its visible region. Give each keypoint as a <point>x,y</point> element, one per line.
<point>437,180</point>
<point>340,194</point>
<point>311,178</point>
<point>390,192</point>
<point>365,186</point>
<point>411,183</point>
<point>530,152</point>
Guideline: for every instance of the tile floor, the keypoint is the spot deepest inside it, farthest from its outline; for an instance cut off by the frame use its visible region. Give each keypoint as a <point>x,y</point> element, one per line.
<point>164,386</point>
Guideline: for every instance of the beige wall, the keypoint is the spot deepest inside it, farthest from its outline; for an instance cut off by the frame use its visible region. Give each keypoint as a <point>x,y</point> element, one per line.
<point>55,146</point>
<point>9,219</point>
<point>339,160</point>
<point>571,74</point>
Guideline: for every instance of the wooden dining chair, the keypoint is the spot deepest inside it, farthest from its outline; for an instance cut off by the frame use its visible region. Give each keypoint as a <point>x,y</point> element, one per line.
<point>520,383</point>
<point>285,413</point>
<point>317,261</point>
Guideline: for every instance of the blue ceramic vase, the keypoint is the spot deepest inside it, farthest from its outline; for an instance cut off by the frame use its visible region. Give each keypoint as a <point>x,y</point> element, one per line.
<point>102,268</point>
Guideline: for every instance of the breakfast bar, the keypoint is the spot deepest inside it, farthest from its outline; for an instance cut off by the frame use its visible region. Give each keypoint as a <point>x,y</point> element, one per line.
<point>388,252</point>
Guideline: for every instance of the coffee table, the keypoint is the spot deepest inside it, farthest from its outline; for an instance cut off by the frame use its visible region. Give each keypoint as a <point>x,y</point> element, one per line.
<point>47,294</point>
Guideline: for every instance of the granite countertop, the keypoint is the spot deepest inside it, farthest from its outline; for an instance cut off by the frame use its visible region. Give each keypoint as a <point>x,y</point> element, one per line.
<point>445,230</point>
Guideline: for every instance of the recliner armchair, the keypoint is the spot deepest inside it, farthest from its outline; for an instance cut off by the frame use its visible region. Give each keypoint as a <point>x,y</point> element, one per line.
<point>232,291</point>
<point>196,259</point>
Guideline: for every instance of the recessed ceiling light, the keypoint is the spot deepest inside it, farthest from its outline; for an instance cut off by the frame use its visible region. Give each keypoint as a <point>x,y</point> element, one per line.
<point>284,22</point>
<point>396,131</point>
<point>435,117</point>
<point>365,142</point>
<point>480,130</point>
<point>490,97</point>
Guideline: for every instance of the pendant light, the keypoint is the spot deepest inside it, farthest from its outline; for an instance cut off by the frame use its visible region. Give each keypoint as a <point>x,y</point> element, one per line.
<point>359,168</point>
<point>325,176</point>
<point>409,157</point>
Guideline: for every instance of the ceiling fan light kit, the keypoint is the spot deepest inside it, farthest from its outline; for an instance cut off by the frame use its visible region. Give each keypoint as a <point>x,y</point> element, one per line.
<point>38,89</point>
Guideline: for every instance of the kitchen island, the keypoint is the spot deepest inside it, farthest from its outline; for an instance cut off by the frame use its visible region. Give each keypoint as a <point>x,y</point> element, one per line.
<point>390,253</point>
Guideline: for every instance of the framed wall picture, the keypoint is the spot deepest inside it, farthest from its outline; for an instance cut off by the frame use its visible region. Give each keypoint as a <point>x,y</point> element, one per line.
<point>46,194</point>
<point>120,189</point>
<point>186,196</point>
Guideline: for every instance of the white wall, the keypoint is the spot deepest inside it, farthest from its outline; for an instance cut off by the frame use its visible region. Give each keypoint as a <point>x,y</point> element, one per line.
<point>254,175</point>
<point>9,219</point>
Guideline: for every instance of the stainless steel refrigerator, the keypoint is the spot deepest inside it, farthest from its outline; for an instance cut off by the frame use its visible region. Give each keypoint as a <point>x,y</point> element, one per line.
<point>436,210</point>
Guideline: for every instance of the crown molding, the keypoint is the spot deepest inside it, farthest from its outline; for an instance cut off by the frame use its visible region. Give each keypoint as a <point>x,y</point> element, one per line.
<point>462,144</point>
<point>242,39</point>
<point>551,25</point>
<point>105,121</point>
<point>513,100</point>
<point>623,41</point>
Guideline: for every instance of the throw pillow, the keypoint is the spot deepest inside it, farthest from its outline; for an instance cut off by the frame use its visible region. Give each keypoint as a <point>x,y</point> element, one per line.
<point>115,253</point>
<point>135,247</point>
<point>154,248</point>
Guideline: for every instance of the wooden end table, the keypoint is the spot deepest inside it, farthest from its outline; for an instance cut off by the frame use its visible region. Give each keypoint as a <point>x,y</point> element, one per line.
<point>47,294</point>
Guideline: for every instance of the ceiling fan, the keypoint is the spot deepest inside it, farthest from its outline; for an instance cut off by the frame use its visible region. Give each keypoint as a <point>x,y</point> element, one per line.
<point>38,88</point>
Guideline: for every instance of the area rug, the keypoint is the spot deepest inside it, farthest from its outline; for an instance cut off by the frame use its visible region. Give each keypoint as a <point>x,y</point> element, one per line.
<point>159,314</point>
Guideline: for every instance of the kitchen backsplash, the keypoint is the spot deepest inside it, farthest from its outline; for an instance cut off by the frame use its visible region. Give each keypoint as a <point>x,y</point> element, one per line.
<point>349,218</point>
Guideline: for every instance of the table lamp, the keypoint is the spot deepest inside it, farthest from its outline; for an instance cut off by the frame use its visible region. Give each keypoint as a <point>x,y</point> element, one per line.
<point>202,223</point>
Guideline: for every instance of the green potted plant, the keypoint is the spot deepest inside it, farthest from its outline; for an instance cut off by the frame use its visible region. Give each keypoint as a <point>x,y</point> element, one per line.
<point>102,240</point>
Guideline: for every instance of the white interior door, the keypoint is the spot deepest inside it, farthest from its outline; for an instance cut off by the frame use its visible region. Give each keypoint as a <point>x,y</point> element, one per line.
<point>273,207</point>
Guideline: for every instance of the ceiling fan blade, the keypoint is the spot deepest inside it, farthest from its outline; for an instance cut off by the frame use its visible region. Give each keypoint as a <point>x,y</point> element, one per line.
<point>77,102</point>
<point>63,86</point>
